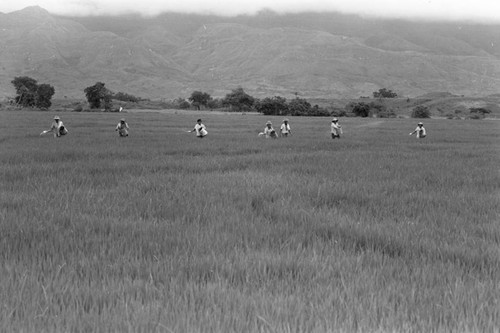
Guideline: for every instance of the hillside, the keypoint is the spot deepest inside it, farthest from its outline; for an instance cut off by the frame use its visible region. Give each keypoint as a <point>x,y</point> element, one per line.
<point>316,55</point>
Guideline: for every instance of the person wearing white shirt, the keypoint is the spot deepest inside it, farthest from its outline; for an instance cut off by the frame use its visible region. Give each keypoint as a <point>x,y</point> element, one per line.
<point>420,130</point>
<point>285,128</point>
<point>336,129</point>
<point>58,127</point>
<point>122,128</point>
<point>200,129</point>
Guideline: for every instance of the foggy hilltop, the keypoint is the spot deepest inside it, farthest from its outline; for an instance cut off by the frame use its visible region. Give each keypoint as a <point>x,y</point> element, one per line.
<point>312,54</point>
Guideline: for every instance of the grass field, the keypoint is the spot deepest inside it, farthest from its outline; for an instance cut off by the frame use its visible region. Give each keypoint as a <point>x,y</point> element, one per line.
<point>164,232</point>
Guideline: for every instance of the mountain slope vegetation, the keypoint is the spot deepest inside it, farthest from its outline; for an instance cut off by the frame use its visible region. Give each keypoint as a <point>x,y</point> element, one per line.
<point>317,55</point>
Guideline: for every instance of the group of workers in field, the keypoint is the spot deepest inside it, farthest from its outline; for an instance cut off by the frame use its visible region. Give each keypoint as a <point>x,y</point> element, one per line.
<point>58,129</point>
<point>270,132</point>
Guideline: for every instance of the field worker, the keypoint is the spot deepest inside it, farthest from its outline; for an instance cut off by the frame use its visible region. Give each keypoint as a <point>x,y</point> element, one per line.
<point>269,131</point>
<point>57,128</point>
<point>122,128</point>
<point>200,129</point>
<point>336,128</point>
<point>420,130</point>
<point>285,128</point>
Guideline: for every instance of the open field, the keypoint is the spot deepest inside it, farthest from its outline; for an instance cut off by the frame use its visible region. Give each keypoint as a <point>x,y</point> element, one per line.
<point>164,232</point>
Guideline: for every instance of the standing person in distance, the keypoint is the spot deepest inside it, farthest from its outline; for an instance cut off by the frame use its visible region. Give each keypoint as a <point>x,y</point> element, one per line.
<point>336,129</point>
<point>122,128</point>
<point>200,129</point>
<point>420,130</point>
<point>285,128</point>
<point>57,128</point>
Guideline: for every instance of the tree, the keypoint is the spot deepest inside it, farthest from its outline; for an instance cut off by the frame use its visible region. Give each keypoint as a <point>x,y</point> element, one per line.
<point>272,106</point>
<point>98,95</point>
<point>239,99</point>
<point>26,89</point>
<point>198,98</point>
<point>384,93</point>
<point>44,95</point>
<point>30,93</point>
<point>421,111</point>
<point>299,107</point>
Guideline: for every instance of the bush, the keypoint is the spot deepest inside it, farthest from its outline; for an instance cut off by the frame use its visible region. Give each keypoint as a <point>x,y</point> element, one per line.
<point>384,93</point>
<point>478,113</point>
<point>124,97</point>
<point>360,109</point>
<point>421,112</point>
<point>184,105</point>
<point>316,111</point>
<point>476,116</point>
<point>387,114</point>
<point>336,112</point>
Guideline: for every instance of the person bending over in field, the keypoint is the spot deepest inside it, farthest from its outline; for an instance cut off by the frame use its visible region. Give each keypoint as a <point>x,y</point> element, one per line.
<point>285,128</point>
<point>336,129</point>
<point>200,129</point>
<point>122,128</point>
<point>420,130</point>
<point>57,128</point>
<point>269,131</point>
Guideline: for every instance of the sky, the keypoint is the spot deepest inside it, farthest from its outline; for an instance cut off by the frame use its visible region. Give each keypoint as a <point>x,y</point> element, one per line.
<point>487,11</point>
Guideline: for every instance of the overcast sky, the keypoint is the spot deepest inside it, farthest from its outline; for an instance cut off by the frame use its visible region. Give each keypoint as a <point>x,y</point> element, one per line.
<point>476,10</point>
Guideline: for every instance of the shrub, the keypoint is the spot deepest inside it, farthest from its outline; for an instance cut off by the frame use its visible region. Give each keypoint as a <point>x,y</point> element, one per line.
<point>361,109</point>
<point>336,112</point>
<point>478,113</point>
<point>124,97</point>
<point>317,111</point>
<point>384,93</point>
<point>476,116</point>
<point>387,113</point>
<point>184,105</point>
<point>214,103</point>
<point>421,112</point>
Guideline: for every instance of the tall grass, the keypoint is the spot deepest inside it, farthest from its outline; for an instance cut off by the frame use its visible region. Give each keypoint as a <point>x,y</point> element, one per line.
<point>161,231</point>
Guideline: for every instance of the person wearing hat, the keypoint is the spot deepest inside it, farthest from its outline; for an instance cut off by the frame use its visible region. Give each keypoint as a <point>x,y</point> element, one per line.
<point>122,128</point>
<point>57,128</point>
<point>285,128</point>
<point>200,129</point>
<point>336,129</point>
<point>420,130</point>
<point>269,131</point>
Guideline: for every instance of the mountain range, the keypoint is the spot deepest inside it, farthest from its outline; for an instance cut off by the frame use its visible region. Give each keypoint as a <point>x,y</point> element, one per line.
<point>317,55</point>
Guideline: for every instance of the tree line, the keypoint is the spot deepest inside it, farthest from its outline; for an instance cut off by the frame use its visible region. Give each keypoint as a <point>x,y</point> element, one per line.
<point>31,94</point>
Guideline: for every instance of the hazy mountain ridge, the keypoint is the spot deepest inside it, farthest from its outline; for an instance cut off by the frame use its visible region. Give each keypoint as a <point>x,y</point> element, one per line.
<point>316,55</point>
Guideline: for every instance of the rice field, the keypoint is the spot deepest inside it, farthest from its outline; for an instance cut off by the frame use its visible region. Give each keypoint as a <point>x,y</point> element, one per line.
<point>163,232</point>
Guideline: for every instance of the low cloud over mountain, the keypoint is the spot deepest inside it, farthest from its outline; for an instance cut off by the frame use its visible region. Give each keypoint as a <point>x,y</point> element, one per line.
<point>316,55</point>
